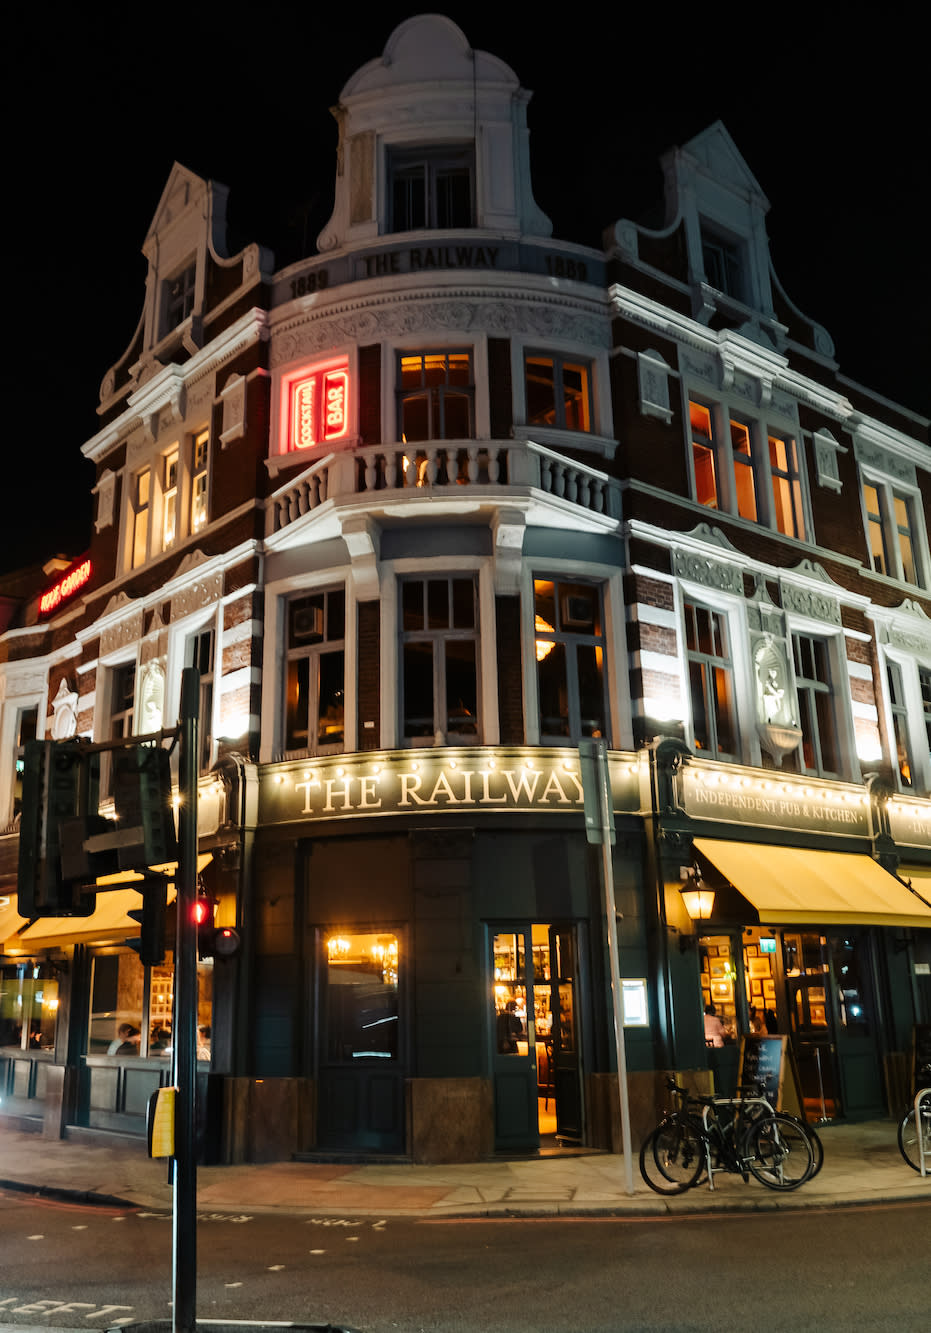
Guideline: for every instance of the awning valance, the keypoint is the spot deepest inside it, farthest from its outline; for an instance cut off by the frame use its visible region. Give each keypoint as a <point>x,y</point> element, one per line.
<point>109,923</point>
<point>796,886</point>
<point>10,919</point>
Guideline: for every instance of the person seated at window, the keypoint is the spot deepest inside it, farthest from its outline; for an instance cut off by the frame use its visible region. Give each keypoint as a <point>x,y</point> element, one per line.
<point>715,1031</point>
<point>509,1029</point>
<point>130,1045</point>
<point>159,1040</point>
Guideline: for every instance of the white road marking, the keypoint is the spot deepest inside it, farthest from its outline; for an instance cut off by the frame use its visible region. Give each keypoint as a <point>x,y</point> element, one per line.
<point>82,1227</point>
<point>316,1251</point>
<point>35,1238</point>
<point>276,1268</point>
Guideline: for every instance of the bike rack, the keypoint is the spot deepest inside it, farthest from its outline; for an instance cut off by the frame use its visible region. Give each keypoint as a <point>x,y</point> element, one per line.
<point>925,1093</point>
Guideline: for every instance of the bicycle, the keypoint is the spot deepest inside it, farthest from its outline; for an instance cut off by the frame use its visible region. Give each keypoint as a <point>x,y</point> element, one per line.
<point>743,1135</point>
<point>910,1146</point>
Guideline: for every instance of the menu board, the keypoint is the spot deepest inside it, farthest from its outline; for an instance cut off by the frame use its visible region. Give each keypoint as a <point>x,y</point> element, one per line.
<point>768,1060</point>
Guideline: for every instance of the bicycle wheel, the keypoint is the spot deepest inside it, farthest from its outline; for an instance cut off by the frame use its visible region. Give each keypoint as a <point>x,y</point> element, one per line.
<point>678,1151</point>
<point>650,1171</point>
<point>779,1153</point>
<point>908,1138</point>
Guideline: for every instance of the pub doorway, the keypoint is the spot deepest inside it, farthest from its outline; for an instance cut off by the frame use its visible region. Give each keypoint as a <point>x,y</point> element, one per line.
<point>535,1037</point>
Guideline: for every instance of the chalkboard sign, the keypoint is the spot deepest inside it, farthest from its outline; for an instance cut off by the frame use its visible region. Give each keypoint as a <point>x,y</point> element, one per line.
<point>769,1060</point>
<point>921,1057</point>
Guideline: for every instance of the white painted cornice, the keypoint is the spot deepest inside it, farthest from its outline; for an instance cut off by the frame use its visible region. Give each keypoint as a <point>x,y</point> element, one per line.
<point>870,431</point>
<point>165,388</point>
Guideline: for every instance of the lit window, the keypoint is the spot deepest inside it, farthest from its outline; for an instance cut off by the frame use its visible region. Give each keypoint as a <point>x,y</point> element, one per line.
<point>361,998</point>
<point>569,637</point>
<point>742,467</point>
<point>924,682</point>
<point>711,682</point>
<point>899,708</point>
<point>314,683</point>
<point>558,392</point>
<point>818,750</point>
<point>170,498</point>
<point>890,531</point>
<point>200,458</point>
<point>179,297</point>
<point>435,396</point>
<point>431,189</point>
<point>140,517</point>
<point>439,660</point>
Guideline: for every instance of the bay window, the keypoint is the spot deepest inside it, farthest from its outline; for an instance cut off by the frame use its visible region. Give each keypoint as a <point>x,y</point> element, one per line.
<point>436,395</point>
<point>558,391</point>
<point>570,653</point>
<point>439,660</point>
<point>315,672</point>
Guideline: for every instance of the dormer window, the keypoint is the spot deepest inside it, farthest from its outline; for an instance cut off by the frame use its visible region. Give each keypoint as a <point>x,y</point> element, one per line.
<point>723,264</point>
<point>431,189</point>
<point>179,297</point>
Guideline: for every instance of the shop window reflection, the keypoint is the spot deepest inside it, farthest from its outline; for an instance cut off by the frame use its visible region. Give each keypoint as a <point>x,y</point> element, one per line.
<point>131,1012</point>
<point>362,996</point>
<point>28,1006</point>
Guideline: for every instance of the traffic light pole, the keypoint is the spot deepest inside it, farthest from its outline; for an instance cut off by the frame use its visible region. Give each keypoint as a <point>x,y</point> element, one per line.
<point>184,1232</point>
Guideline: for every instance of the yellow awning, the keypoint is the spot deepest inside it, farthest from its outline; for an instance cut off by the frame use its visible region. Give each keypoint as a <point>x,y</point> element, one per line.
<point>110,922</point>
<point>795,886</point>
<point>920,877</point>
<point>10,919</point>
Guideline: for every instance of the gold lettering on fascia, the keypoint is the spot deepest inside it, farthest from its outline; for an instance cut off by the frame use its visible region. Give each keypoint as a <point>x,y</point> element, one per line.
<point>449,788</point>
<point>781,806</point>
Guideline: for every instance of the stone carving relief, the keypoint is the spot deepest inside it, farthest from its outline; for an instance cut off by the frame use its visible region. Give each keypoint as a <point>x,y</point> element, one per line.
<point>808,602</point>
<point>233,398</point>
<point>826,449</point>
<point>709,573</point>
<point>457,312</point>
<point>653,381</point>
<point>883,460</point>
<point>777,724</point>
<point>152,697</point>
<point>105,490</point>
<point>65,709</point>
<point>120,636</point>
<point>196,595</point>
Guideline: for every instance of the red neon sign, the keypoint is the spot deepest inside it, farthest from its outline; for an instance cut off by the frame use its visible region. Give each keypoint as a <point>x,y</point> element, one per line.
<point>65,587</point>
<point>318,410</point>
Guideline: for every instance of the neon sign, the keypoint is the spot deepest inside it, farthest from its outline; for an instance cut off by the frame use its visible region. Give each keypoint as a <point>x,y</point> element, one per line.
<point>65,587</point>
<point>317,406</point>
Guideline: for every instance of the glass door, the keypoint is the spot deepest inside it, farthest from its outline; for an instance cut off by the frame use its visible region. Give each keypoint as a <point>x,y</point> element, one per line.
<point>514,1056</point>
<point>565,1037</point>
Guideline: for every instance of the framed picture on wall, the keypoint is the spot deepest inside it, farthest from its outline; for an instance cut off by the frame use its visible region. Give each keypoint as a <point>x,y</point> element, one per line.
<point>769,990</point>
<point>759,968</point>
<point>718,969</point>
<point>721,990</point>
<point>752,951</point>
<point>705,995</point>
<point>756,989</point>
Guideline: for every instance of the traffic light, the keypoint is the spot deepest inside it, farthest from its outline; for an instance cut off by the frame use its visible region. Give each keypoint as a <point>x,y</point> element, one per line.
<point>204,912</point>
<point>61,782</point>
<point>151,916</point>
<point>142,795</point>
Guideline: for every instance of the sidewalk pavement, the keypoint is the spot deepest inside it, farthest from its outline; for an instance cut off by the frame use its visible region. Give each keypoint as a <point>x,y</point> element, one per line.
<point>862,1165</point>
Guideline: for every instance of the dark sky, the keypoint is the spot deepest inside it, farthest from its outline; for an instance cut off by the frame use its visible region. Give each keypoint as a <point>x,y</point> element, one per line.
<point>832,122</point>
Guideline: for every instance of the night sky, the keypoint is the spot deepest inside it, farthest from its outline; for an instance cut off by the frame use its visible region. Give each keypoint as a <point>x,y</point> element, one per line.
<point>832,121</point>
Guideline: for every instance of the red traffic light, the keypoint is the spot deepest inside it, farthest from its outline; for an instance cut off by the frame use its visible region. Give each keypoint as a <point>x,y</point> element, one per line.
<point>203,911</point>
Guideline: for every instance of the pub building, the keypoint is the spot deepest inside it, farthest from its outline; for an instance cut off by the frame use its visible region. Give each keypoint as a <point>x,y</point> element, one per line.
<point>426,509</point>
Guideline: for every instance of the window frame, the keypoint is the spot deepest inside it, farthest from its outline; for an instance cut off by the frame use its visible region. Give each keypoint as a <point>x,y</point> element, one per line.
<point>313,653</point>
<point>438,162</point>
<point>561,360</point>
<point>177,308</point>
<point>884,522</point>
<point>564,635</point>
<point>913,710</point>
<point>438,638</point>
<point>768,475</point>
<point>146,535</point>
<point>808,691</point>
<point>435,395</point>
<point>713,663</point>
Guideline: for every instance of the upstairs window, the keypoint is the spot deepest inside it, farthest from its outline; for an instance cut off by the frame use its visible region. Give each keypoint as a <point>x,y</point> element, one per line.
<point>723,264</point>
<point>170,498</point>
<point>436,396</point>
<point>439,660</point>
<point>431,189</point>
<point>200,460</point>
<point>924,682</point>
<point>889,516</point>
<point>558,392</point>
<point>741,466</point>
<point>142,488</point>
<point>179,297</point>
<point>570,652</point>
<point>314,684</point>
<point>819,749</point>
<point>900,731</point>
<point>711,682</point>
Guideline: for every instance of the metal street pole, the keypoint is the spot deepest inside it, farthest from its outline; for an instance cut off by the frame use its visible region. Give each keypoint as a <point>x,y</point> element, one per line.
<point>599,822</point>
<point>184,1216</point>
